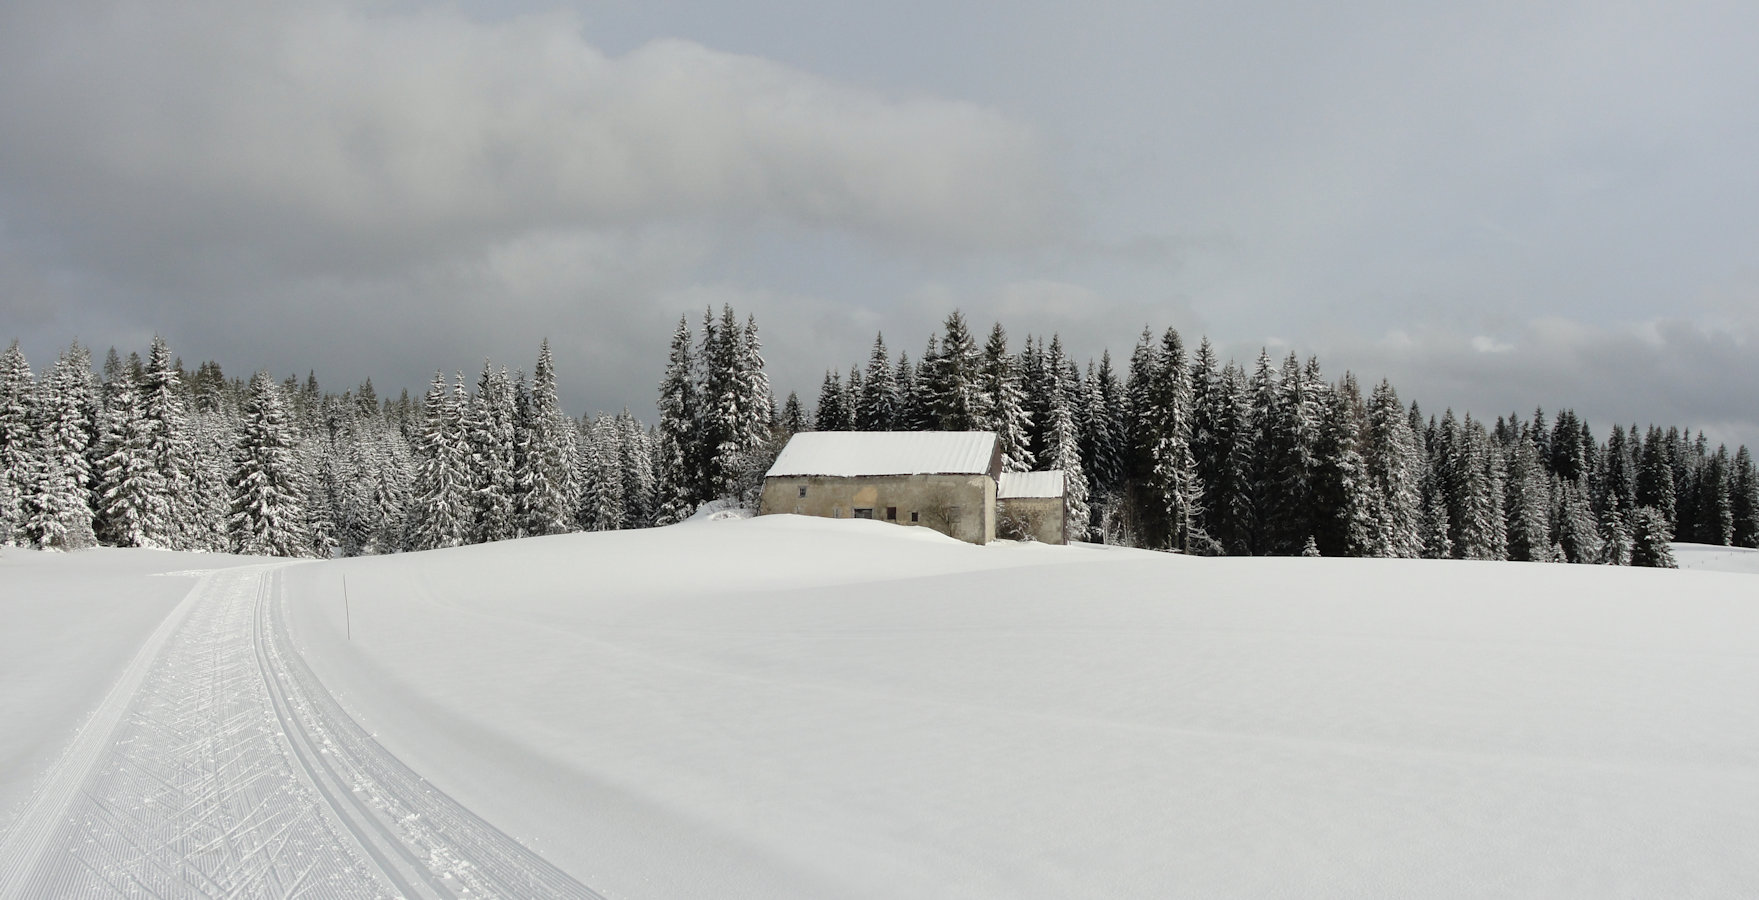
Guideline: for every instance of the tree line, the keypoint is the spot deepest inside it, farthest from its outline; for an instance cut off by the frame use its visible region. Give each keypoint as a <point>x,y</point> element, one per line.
<point>150,455</point>
<point>1181,452</point>
<point>1186,453</point>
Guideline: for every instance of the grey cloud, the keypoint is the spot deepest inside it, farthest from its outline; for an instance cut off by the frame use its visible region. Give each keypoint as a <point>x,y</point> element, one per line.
<point>375,192</point>
<point>323,136</point>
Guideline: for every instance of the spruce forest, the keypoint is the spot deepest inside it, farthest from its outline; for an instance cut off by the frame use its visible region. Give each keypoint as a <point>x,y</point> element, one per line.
<point>1180,452</point>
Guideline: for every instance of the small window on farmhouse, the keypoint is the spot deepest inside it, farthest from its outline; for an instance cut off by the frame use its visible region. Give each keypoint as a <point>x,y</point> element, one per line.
<point>915,516</point>
<point>803,492</point>
<point>864,513</point>
<point>891,514</point>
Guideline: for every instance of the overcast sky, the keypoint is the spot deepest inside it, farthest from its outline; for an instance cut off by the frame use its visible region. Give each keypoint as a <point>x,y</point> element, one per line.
<point>1496,205</point>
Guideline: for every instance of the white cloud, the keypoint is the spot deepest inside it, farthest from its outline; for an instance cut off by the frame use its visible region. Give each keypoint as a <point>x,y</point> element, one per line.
<point>320,133</point>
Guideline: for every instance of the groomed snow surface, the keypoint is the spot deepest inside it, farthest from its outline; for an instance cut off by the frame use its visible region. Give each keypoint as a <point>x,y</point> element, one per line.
<point>788,707</point>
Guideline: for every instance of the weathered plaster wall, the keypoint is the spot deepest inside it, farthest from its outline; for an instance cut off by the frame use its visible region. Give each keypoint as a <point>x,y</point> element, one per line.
<point>931,497</point>
<point>1043,517</point>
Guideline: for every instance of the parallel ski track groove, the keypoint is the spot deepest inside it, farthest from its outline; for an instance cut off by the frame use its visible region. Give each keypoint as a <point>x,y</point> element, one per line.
<point>193,794</point>
<point>218,766</point>
<point>374,835</point>
<point>460,848</point>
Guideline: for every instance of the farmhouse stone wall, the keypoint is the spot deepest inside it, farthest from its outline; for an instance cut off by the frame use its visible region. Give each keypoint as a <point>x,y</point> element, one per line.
<point>960,506</point>
<point>1040,518</point>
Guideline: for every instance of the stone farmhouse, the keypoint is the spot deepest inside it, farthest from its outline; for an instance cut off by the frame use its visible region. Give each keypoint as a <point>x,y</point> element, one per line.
<point>945,480</point>
<point>951,482</point>
<point>1029,505</point>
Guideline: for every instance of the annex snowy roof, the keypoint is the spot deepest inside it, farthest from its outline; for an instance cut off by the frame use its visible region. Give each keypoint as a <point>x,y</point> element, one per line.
<point>853,453</point>
<point>1030,484</point>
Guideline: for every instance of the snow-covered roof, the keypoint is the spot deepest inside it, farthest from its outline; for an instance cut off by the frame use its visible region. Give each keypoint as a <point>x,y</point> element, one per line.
<point>1030,484</point>
<point>854,453</point>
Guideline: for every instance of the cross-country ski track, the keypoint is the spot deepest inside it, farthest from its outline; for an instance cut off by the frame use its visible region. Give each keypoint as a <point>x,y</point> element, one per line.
<point>218,765</point>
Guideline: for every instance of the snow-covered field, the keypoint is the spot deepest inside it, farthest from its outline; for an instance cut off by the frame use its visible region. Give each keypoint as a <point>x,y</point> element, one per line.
<point>782,707</point>
<point>1709,558</point>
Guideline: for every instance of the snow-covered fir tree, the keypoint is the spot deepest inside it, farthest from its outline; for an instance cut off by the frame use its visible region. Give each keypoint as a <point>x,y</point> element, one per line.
<point>548,444</point>
<point>757,404</point>
<point>1217,426</point>
<point>877,407</point>
<point>1285,420</point>
<point>1715,519</point>
<point>1172,493</point>
<point>1493,475</point>
<point>493,457</point>
<point>915,411</point>
<point>600,477</point>
<point>830,414</point>
<point>1655,476</point>
<point>1137,435</point>
<point>132,504</point>
<point>722,418</point>
<point>440,492</point>
<point>388,467</point>
<point>911,408</point>
<point>1618,469</point>
<point>1579,531</point>
<point>851,399</point>
<point>171,443</point>
<point>1230,521</point>
<point>212,442</point>
<point>266,515</point>
<point>1004,410</point>
<point>1475,478</point>
<point>57,498</point>
<point>952,385</point>
<point>344,471</point>
<point>1650,537</point>
<point>1102,438</point>
<point>1615,534</point>
<point>319,427</point>
<point>1062,443</point>
<point>1571,454</point>
<point>17,439</point>
<point>1344,514</point>
<point>675,454</point>
<point>635,460</point>
<point>1394,464</point>
<point>793,416</point>
<point>1099,454</point>
<point>1744,500</point>
<point>1528,501</point>
<point>1688,464</point>
<point>1436,529</point>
